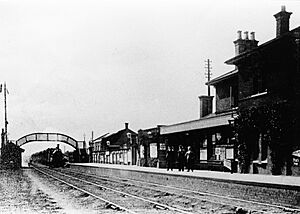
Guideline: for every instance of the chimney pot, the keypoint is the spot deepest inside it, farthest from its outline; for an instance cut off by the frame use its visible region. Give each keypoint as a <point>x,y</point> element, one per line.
<point>246,35</point>
<point>283,8</point>
<point>252,35</point>
<point>239,33</point>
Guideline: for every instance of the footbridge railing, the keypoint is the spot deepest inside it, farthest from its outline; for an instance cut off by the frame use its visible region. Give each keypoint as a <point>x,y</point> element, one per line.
<point>47,137</point>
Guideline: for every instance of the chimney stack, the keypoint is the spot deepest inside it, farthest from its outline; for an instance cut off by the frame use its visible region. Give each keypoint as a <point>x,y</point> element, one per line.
<point>246,35</point>
<point>239,34</point>
<point>252,35</point>
<point>126,125</point>
<point>243,45</point>
<point>282,21</point>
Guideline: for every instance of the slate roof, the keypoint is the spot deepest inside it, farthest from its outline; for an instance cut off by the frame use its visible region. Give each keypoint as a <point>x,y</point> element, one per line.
<point>101,137</point>
<point>222,77</point>
<point>115,138</point>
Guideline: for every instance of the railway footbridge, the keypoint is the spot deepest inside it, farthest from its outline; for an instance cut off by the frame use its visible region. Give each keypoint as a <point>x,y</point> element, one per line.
<point>48,137</point>
<point>53,137</point>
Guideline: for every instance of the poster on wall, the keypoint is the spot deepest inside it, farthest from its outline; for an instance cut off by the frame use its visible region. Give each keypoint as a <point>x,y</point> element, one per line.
<point>296,158</point>
<point>162,146</point>
<point>229,153</point>
<point>153,150</point>
<point>142,149</point>
<point>222,153</point>
<point>203,154</point>
<point>129,157</point>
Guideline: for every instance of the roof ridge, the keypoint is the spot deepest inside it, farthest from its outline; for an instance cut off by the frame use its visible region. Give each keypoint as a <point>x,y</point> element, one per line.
<point>230,61</point>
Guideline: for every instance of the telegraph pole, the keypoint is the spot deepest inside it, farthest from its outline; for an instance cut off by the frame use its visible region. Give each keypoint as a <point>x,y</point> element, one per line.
<point>5,116</point>
<point>208,73</point>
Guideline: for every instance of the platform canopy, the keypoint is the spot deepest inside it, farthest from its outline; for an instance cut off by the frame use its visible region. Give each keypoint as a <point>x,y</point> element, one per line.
<point>214,120</point>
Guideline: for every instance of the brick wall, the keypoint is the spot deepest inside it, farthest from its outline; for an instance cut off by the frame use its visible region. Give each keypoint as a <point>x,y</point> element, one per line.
<point>273,68</point>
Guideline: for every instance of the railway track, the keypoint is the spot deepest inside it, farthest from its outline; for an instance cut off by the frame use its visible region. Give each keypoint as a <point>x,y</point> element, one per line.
<point>213,199</point>
<point>173,199</point>
<point>114,199</point>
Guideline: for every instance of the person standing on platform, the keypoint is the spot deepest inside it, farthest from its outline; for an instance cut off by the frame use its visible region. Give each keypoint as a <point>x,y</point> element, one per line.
<point>170,158</point>
<point>181,158</point>
<point>189,156</point>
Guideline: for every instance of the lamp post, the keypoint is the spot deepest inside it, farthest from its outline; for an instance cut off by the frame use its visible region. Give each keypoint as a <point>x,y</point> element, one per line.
<point>5,116</point>
<point>231,122</point>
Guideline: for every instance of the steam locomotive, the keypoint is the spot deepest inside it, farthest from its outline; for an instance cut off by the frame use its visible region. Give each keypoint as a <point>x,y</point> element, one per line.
<point>52,157</point>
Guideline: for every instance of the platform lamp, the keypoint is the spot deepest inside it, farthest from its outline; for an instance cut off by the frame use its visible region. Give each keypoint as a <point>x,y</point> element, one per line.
<point>232,125</point>
<point>231,122</point>
<point>149,141</point>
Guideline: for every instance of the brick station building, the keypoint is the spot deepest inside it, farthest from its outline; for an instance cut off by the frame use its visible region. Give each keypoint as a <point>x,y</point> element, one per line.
<point>269,90</point>
<point>265,76</point>
<point>210,136</point>
<point>116,148</point>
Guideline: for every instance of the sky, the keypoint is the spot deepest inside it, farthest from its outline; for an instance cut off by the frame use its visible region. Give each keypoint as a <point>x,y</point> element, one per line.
<point>75,67</point>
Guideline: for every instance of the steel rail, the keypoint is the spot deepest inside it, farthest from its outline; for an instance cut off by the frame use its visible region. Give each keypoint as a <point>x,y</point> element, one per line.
<point>130,195</point>
<point>87,192</point>
<point>226,197</point>
<point>212,194</point>
<point>152,188</point>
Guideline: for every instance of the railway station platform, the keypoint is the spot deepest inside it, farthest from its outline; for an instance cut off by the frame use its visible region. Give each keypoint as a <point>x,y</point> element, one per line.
<point>278,182</point>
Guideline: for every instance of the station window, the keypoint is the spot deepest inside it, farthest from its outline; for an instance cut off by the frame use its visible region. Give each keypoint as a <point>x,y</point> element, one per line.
<point>261,148</point>
<point>259,83</point>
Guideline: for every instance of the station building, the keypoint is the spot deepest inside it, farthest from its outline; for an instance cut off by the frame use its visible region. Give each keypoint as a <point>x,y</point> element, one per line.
<point>117,148</point>
<point>10,154</point>
<point>152,148</point>
<point>210,136</point>
<point>264,86</point>
<point>264,76</point>
<point>268,89</point>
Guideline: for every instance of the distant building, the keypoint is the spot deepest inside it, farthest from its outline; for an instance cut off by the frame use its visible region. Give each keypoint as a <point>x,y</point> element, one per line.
<point>98,149</point>
<point>117,148</point>
<point>11,156</point>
